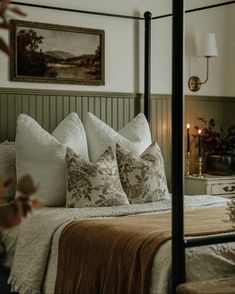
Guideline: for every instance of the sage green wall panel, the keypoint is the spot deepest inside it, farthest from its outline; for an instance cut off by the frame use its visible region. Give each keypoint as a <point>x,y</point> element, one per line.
<point>72,104</point>
<point>46,112</point>
<point>4,121</point>
<point>52,119</point>
<point>39,109</point>
<point>84,107</point>
<point>59,109</point>
<point>115,113</point>
<point>25,103</point>
<point>97,107</point>
<point>103,108</point>
<point>120,113</point>
<point>126,111</point>
<point>66,109</point>
<point>32,106</point>
<point>160,128</point>
<point>49,107</point>
<point>10,116</point>
<point>17,105</point>
<point>90,106</point>
<point>78,107</point>
<point>132,108</point>
<point>109,111</point>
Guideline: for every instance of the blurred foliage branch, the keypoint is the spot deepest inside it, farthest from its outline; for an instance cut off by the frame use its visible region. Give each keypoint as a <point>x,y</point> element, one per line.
<point>12,213</point>
<point>6,9</point>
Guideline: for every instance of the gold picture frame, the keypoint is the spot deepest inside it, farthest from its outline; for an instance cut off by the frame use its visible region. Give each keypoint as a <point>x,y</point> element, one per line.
<point>49,53</point>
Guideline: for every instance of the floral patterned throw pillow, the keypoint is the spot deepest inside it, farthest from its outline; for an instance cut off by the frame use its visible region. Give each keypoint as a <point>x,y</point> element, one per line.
<point>93,184</point>
<point>142,177</point>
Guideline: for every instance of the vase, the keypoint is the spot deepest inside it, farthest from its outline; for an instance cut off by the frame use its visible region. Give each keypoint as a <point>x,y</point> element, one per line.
<point>220,164</point>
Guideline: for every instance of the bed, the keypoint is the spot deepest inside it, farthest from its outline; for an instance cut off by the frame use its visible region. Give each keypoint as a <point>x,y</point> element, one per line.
<point>33,261</point>
<point>202,263</point>
<point>34,265</point>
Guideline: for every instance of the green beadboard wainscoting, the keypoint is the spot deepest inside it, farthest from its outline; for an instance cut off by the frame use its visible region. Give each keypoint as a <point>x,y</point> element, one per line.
<point>49,107</point>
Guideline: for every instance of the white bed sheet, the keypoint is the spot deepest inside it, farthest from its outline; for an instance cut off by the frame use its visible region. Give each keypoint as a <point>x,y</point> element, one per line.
<point>35,260</point>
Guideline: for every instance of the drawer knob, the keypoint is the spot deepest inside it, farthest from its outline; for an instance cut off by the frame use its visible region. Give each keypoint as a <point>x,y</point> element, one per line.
<point>227,189</point>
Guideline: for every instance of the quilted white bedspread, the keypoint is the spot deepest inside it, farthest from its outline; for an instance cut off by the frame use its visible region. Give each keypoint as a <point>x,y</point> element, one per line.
<point>37,247</point>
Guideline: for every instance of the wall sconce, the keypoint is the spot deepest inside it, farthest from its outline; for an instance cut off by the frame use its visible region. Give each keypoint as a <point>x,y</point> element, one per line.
<point>208,48</point>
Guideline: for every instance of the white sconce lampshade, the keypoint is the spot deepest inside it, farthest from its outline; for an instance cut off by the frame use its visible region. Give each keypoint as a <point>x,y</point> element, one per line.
<point>208,46</point>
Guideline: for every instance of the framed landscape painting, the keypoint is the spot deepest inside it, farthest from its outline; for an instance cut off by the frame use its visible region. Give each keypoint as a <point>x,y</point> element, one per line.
<point>48,53</point>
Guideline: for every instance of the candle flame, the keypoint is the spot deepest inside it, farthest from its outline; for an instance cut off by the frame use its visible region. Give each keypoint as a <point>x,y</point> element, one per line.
<point>199,131</point>
<point>188,126</point>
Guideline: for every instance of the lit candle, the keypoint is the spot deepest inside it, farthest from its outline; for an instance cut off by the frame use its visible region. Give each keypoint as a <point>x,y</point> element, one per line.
<point>199,142</point>
<point>188,139</point>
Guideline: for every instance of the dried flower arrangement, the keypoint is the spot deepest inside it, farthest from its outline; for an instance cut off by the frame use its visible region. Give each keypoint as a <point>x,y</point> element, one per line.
<point>12,213</point>
<point>216,142</point>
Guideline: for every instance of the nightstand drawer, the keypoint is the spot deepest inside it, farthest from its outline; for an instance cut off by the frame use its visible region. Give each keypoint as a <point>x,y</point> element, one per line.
<point>223,188</point>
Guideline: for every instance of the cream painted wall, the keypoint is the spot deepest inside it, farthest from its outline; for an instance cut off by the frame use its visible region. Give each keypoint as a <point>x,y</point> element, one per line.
<point>119,50</point>
<point>124,44</point>
<point>220,21</point>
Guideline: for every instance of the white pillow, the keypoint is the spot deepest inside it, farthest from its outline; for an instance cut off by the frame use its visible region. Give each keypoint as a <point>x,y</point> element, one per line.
<point>135,136</point>
<point>7,168</point>
<point>42,155</point>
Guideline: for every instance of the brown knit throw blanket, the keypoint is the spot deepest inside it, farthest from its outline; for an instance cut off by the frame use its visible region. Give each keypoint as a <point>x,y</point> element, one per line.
<point>115,255</point>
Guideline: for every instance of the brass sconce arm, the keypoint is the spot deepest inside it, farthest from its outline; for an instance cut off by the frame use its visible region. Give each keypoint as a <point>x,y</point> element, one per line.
<point>194,83</point>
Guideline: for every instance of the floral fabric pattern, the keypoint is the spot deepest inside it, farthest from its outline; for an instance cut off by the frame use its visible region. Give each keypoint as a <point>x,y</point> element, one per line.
<point>93,184</point>
<point>142,177</point>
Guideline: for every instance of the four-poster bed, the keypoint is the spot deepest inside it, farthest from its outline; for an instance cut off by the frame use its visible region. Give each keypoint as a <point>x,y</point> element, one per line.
<point>178,242</point>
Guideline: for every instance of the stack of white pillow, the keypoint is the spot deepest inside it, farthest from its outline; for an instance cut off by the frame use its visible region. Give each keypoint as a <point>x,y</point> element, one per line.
<point>90,166</point>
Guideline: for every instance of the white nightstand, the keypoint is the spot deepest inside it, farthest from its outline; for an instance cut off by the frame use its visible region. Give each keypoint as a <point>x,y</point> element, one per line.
<point>223,186</point>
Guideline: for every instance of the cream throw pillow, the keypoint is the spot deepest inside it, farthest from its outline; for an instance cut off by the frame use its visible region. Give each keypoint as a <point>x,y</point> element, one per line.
<point>135,136</point>
<point>93,184</point>
<point>142,177</point>
<point>42,155</point>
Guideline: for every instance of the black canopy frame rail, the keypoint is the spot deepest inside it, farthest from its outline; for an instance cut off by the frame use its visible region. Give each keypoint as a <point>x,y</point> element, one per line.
<point>179,242</point>
<point>118,15</point>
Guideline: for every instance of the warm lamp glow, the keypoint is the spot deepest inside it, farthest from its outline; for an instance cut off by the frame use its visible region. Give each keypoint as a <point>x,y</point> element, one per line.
<point>199,131</point>
<point>188,126</point>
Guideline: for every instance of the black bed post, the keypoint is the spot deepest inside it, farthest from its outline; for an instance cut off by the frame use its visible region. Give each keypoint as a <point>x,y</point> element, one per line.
<point>147,62</point>
<point>178,249</point>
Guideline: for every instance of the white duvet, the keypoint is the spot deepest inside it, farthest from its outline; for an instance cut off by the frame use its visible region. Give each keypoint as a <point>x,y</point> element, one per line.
<point>35,262</point>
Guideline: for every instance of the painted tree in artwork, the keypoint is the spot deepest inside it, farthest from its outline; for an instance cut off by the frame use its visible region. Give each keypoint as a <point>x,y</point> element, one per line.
<point>30,61</point>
